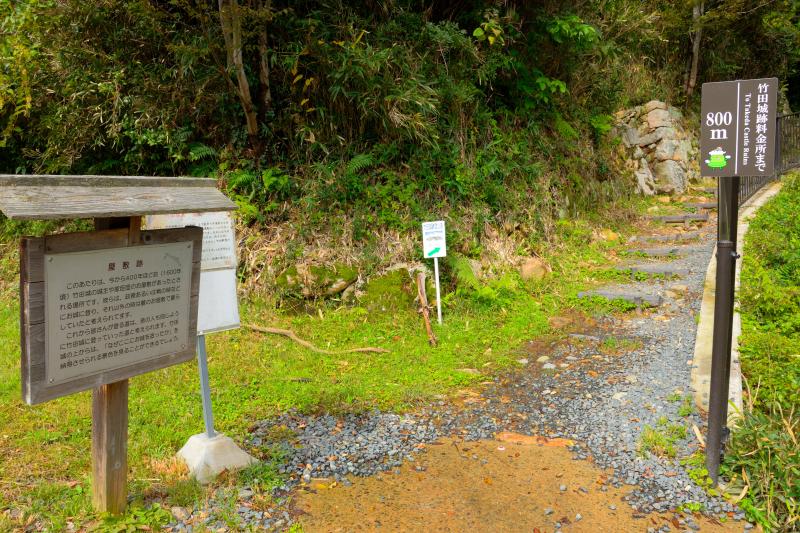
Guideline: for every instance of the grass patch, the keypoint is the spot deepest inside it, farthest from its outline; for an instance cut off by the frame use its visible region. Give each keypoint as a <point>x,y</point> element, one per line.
<point>762,460</point>
<point>687,406</point>
<point>661,439</point>
<point>616,345</point>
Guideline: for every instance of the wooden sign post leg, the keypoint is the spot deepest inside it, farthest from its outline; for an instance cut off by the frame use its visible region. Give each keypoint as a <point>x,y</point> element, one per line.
<point>110,420</point>
<point>110,447</point>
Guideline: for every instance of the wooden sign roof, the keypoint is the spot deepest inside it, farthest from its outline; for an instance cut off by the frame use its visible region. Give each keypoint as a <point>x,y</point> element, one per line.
<point>41,197</point>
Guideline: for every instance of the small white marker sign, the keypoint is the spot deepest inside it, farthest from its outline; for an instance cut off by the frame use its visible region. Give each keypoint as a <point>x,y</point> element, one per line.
<point>434,243</point>
<point>434,246</point>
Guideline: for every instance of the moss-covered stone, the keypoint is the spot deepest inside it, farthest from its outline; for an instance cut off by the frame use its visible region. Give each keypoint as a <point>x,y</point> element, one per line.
<point>309,281</point>
<point>392,291</point>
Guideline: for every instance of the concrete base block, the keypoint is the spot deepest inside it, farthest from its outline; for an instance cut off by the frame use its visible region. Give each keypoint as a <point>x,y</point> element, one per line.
<point>208,457</point>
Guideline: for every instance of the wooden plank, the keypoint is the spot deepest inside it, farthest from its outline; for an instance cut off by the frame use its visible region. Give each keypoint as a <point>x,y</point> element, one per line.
<point>57,180</point>
<point>33,296</point>
<point>31,259</point>
<point>85,241</point>
<point>110,447</point>
<point>60,202</point>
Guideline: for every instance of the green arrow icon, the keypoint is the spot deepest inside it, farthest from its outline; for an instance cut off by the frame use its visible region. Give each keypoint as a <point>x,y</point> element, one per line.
<point>434,251</point>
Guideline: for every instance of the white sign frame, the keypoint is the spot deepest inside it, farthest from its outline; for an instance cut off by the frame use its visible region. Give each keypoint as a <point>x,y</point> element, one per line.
<point>434,239</point>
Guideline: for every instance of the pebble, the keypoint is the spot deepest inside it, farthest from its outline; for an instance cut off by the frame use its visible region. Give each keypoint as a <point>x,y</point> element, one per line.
<point>562,488</point>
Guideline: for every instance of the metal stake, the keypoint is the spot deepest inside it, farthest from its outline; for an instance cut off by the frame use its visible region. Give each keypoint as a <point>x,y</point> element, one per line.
<point>205,390</point>
<point>438,299</point>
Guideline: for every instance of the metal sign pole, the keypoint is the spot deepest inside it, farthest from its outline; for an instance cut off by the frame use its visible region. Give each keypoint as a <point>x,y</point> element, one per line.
<point>205,389</point>
<point>723,323</point>
<point>438,298</point>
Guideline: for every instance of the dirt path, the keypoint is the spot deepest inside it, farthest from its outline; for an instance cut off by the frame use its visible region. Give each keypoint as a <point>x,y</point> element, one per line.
<point>495,486</point>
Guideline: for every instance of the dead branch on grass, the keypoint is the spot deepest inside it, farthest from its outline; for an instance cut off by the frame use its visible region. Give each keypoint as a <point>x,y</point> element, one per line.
<point>291,334</point>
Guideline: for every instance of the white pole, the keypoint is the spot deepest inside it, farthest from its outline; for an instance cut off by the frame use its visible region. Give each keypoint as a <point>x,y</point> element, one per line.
<point>438,299</point>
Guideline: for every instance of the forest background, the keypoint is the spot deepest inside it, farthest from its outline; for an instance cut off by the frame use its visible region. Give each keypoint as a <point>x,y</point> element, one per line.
<point>352,116</point>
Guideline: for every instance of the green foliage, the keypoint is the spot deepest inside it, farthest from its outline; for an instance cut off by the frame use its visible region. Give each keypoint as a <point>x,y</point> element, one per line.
<point>770,300</point>
<point>136,519</point>
<point>764,454</point>
<point>661,439</point>
<point>695,465</point>
<point>687,406</point>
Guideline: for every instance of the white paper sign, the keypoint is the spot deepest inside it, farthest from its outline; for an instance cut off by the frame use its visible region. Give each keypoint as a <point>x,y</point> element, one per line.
<point>434,242</point>
<point>218,308</point>
<point>219,243</point>
<point>109,309</point>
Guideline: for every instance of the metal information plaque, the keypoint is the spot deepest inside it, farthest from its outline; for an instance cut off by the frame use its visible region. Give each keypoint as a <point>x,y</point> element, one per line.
<point>738,120</point>
<point>108,309</point>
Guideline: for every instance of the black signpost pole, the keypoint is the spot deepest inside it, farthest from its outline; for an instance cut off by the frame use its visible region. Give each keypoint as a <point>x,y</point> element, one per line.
<point>723,322</point>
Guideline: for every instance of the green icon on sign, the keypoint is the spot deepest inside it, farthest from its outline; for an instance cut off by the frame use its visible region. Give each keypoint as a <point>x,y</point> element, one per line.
<point>435,250</point>
<point>717,158</point>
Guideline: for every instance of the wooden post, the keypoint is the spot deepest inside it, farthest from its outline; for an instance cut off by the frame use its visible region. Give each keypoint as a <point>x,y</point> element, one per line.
<point>110,418</point>
<point>110,447</point>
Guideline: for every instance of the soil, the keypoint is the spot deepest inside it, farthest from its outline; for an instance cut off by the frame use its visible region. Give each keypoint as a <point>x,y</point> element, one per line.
<point>495,486</point>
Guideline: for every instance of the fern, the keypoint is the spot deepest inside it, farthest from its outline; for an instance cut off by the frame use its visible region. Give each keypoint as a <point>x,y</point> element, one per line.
<point>358,163</point>
<point>198,151</point>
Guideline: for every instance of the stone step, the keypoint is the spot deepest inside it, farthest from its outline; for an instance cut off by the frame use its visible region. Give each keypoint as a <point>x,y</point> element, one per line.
<point>678,219</point>
<point>656,269</point>
<point>674,237</point>
<point>655,252</point>
<point>637,298</point>
<point>702,205</point>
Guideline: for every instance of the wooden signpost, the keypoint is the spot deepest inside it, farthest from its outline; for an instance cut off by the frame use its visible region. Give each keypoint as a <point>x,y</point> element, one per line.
<point>100,307</point>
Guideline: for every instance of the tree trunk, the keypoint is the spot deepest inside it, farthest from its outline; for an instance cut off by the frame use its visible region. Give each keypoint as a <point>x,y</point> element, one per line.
<point>263,70</point>
<point>697,12</point>
<point>231,21</point>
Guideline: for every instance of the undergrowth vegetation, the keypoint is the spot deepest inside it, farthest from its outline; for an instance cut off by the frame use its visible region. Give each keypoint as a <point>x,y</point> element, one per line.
<point>763,455</point>
<point>327,113</point>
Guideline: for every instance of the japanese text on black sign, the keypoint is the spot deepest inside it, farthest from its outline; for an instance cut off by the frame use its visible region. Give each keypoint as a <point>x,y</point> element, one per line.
<point>738,127</point>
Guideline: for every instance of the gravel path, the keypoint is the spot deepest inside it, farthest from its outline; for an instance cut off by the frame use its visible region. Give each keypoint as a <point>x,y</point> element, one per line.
<point>580,388</point>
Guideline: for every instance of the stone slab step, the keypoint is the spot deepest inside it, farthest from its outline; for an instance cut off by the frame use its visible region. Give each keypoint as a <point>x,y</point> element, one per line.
<point>654,270</point>
<point>678,219</point>
<point>637,298</point>
<point>702,205</point>
<point>656,252</point>
<point>674,237</point>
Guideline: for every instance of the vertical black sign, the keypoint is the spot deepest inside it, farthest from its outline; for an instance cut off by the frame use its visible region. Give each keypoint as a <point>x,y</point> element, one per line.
<point>738,128</point>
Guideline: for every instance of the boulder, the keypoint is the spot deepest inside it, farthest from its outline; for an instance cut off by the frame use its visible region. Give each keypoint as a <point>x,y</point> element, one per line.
<point>655,146</point>
<point>670,177</point>
<point>533,268</point>
<point>393,291</point>
<point>311,281</point>
<point>654,104</point>
<point>658,118</point>
<point>645,183</point>
<point>666,149</point>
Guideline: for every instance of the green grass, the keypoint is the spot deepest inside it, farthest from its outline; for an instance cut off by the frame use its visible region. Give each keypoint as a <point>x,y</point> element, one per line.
<point>661,439</point>
<point>763,455</point>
